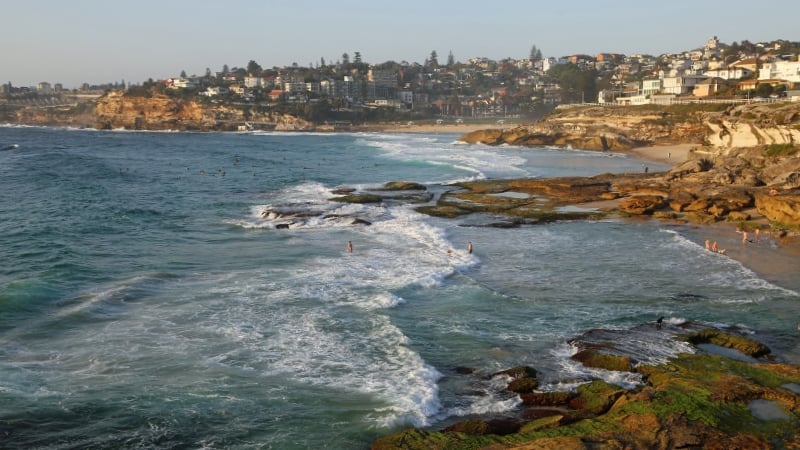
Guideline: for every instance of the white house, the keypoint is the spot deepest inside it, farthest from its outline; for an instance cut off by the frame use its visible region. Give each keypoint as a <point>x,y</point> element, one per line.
<point>780,70</point>
<point>253,82</point>
<point>651,86</point>
<point>44,88</point>
<point>212,91</point>
<point>728,73</point>
<point>180,83</point>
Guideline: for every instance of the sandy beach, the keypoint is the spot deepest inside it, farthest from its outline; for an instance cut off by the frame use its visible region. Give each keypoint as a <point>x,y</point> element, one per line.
<point>667,154</point>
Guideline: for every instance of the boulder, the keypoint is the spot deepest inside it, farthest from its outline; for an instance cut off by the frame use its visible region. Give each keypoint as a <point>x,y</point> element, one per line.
<point>523,379</point>
<point>488,137</point>
<point>680,199</point>
<point>599,360</point>
<point>641,204</point>
<point>783,207</point>
<point>403,186</point>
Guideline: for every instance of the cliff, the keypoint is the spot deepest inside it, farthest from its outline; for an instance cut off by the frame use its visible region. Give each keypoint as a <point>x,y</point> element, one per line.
<point>162,112</point>
<point>744,169</point>
<point>154,111</point>
<point>621,128</point>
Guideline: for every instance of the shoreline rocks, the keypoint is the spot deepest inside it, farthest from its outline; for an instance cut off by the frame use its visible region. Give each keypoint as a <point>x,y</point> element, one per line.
<point>693,400</point>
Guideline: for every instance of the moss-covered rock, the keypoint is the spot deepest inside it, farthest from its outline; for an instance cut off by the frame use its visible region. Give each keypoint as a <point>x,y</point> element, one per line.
<point>743,344</point>
<point>599,360</point>
<point>692,401</point>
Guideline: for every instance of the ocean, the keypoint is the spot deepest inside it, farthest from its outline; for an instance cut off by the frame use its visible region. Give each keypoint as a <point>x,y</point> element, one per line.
<point>194,290</point>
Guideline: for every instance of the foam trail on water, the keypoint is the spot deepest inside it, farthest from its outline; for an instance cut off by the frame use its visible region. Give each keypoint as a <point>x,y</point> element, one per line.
<point>482,161</point>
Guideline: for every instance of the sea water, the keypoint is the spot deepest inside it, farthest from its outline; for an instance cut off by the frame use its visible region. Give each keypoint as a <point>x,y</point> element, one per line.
<point>150,298</point>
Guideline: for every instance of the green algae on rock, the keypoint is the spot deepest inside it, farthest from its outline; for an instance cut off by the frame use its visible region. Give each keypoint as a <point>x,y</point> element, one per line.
<point>690,401</point>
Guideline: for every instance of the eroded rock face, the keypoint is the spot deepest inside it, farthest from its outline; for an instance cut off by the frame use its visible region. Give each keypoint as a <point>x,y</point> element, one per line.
<point>641,204</point>
<point>782,207</point>
<point>534,136</point>
<point>162,112</point>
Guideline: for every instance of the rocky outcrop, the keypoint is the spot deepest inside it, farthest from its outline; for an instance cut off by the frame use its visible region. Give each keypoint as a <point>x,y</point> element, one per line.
<point>535,137</point>
<point>694,400</point>
<point>620,128</point>
<point>782,207</point>
<point>718,182</point>
<point>164,112</point>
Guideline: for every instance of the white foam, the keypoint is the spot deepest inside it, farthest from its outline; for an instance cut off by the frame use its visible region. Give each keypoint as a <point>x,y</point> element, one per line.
<point>373,358</point>
<point>479,161</point>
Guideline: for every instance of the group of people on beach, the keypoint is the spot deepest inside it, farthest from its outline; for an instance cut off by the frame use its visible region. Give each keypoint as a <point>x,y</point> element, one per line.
<point>712,246</point>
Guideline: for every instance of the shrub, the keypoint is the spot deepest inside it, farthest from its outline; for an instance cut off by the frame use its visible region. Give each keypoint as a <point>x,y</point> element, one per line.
<point>775,150</point>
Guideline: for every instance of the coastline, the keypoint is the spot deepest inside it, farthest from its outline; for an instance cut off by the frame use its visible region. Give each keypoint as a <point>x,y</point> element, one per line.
<point>450,128</point>
<point>773,257</point>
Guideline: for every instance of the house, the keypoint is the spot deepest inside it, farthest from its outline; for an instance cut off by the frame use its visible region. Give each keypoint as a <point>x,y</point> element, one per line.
<point>680,85</point>
<point>709,87</point>
<point>180,83</point>
<point>213,91</point>
<point>784,70</point>
<point>751,85</point>
<point>651,86</point>
<point>748,63</point>
<point>44,88</point>
<point>251,81</point>
<point>729,73</point>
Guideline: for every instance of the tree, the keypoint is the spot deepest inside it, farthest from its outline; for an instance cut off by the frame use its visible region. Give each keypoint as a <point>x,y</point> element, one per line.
<point>183,74</point>
<point>322,62</point>
<point>208,72</point>
<point>451,60</point>
<point>536,54</point>
<point>576,84</point>
<point>253,68</point>
<point>225,69</point>
<point>357,58</point>
<point>433,61</point>
<point>345,58</point>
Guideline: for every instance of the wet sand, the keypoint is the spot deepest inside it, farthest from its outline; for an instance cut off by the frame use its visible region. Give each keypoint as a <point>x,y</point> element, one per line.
<point>666,154</point>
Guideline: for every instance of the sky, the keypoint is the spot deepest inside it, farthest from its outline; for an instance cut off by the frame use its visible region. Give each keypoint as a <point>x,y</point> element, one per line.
<point>101,41</point>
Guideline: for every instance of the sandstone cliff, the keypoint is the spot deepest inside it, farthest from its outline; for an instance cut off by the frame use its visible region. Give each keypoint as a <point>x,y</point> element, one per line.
<point>620,128</point>
<point>162,112</point>
<point>155,111</point>
<point>746,164</point>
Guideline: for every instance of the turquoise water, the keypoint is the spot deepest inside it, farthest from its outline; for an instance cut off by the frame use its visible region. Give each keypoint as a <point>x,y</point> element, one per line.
<point>150,298</point>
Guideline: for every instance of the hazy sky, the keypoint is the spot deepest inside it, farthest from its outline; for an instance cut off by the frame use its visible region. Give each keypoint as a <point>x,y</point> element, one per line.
<point>94,41</point>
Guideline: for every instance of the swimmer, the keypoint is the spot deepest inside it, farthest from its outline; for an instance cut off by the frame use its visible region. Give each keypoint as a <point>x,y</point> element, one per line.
<point>349,246</point>
<point>469,247</point>
<point>708,244</point>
